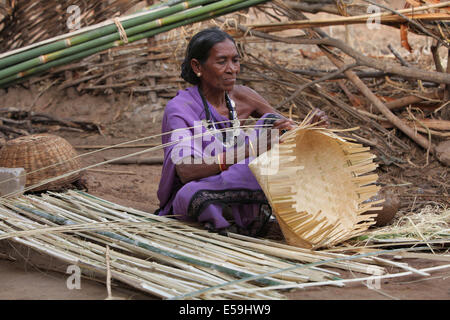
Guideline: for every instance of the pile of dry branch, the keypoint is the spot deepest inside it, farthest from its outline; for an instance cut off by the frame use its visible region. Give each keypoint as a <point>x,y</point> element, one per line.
<point>400,106</point>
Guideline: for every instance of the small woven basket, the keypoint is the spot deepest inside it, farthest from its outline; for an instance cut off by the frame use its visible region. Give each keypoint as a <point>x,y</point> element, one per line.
<point>43,156</point>
<point>320,187</point>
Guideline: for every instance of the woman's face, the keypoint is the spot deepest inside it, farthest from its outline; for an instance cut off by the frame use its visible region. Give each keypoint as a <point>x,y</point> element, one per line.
<point>219,72</point>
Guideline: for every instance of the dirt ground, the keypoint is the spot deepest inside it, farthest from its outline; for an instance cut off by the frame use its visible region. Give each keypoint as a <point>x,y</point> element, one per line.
<point>25,274</point>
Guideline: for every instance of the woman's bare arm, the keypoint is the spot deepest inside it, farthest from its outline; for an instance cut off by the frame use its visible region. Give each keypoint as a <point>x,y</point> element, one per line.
<point>257,106</point>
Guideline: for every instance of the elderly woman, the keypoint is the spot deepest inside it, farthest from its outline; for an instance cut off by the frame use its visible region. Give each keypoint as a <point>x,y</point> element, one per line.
<point>215,187</point>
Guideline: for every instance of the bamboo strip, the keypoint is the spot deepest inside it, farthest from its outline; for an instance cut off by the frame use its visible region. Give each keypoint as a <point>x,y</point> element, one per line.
<point>402,266</point>
<point>246,241</point>
<point>192,294</point>
<point>141,242</point>
<point>297,254</point>
<point>50,249</point>
<point>256,264</point>
<point>370,278</point>
<point>100,256</point>
<point>144,215</point>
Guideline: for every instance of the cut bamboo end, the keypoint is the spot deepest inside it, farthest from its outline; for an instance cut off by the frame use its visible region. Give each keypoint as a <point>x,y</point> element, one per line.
<point>319,190</point>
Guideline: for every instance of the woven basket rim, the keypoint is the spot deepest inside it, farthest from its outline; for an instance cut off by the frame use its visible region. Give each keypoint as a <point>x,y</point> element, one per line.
<point>305,192</point>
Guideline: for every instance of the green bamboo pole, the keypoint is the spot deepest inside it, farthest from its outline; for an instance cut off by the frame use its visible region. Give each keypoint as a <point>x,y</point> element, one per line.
<point>197,262</point>
<point>89,28</point>
<point>31,58</point>
<point>162,4</point>
<point>208,15</point>
<point>43,59</point>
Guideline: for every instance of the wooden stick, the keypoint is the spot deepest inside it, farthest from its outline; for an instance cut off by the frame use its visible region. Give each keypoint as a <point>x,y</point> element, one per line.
<point>354,100</point>
<point>402,266</point>
<point>411,21</point>
<point>13,130</point>
<point>108,86</point>
<point>408,100</point>
<point>413,73</point>
<point>420,140</point>
<point>371,278</point>
<point>304,86</point>
<point>390,20</point>
<point>437,59</point>
<point>69,83</point>
<point>437,124</point>
<point>447,86</point>
<point>6,257</point>
<point>398,56</point>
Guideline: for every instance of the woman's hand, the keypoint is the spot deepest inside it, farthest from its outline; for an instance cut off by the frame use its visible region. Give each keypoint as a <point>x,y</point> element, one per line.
<point>320,117</point>
<point>284,124</point>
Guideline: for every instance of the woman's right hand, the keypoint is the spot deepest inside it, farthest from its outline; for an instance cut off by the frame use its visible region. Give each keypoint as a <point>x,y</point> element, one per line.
<point>284,124</point>
<point>320,118</point>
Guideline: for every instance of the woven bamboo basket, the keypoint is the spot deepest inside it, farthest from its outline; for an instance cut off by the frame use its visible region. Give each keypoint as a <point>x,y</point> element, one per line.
<point>43,156</point>
<point>319,186</point>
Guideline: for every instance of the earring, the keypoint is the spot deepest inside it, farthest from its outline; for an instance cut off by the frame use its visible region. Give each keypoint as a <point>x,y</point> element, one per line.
<point>199,74</point>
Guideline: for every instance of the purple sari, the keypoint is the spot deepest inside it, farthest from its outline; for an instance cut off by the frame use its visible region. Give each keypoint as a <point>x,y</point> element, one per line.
<point>231,197</point>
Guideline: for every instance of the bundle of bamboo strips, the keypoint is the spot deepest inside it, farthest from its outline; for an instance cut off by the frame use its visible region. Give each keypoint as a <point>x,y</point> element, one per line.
<point>183,259</point>
<point>36,60</point>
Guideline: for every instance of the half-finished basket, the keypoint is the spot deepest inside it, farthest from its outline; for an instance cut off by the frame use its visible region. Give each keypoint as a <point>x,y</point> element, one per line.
<point>318,184</point>
<point>43,156</point>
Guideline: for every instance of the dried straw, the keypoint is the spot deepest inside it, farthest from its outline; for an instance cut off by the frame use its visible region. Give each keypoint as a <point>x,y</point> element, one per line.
<point>429,223</point>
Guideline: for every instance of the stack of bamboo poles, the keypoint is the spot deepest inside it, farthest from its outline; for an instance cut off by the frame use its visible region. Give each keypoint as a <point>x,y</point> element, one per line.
<point>183,259</point>
<point>19,64</point>
<point>168,258</point>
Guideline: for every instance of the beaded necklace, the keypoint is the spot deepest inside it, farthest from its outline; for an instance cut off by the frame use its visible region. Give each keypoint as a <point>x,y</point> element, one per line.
<point>211,127</point>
